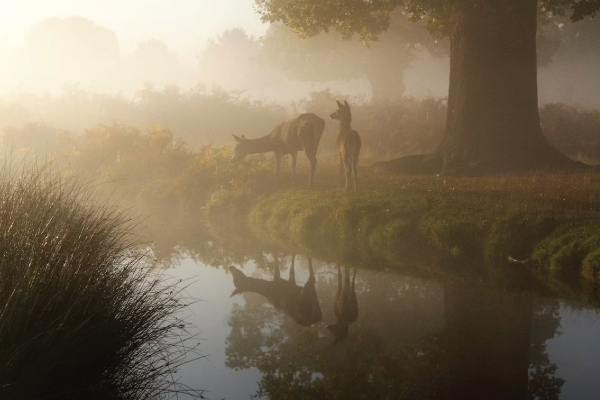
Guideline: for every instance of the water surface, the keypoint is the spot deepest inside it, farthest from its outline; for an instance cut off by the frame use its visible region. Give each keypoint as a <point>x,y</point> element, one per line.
<point>412,338</point>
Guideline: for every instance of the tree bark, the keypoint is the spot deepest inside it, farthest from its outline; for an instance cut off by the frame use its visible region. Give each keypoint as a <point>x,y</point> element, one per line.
<point>493,123</point>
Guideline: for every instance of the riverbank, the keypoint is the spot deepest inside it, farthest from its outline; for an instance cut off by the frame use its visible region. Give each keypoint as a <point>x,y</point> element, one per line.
<point>548,224</point>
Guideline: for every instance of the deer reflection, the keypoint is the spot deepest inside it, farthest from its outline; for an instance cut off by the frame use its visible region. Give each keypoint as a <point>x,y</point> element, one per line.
<point>345,306</point>
<point>298,302</point>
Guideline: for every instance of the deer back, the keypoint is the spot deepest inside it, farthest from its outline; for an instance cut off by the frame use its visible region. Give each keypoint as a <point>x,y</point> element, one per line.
<point>298,302</point>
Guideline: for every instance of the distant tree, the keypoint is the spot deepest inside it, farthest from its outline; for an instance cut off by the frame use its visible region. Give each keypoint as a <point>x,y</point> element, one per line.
<point>493,122</point>
<point>328,57</point>
<point>232,61</point>
<point>154,56</point>
<point>71,50</point>
<point>152,62</point>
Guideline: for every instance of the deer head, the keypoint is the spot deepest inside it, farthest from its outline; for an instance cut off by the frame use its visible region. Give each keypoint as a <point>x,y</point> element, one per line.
<point>241,150</point>
<point>343,112</point>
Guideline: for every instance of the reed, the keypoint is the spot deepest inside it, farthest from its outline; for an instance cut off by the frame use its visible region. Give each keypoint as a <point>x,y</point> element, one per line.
<point>80,315</point>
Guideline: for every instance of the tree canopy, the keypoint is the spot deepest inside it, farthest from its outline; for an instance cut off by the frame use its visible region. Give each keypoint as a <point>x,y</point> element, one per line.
<point>493,122</point>
<point>327,57</point>
<point>369,19</point>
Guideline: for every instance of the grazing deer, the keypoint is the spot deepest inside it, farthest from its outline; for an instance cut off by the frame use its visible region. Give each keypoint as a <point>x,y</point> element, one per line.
<point>298,302</point>
<point>348,142</point>
<point>301,133</point>
<point>345,306</point>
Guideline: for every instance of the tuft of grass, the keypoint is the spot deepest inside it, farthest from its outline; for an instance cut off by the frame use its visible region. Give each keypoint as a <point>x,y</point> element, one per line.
<point>571,252</point>
<point>80,315</point>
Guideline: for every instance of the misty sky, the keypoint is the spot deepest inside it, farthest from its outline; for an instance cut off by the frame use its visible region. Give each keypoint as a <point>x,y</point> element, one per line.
<point>184,25</point>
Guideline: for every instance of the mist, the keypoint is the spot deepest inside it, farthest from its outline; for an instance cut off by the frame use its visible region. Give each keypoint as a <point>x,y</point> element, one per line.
<point>210,199</point>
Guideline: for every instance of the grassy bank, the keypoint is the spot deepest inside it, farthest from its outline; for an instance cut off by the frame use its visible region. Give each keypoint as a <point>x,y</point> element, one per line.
<point>81,317</point>
<point>549,222</point>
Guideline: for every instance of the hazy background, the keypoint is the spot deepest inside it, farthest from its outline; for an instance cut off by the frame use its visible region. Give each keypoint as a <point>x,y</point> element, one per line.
<point>205,69</point>
<point>112,46</point>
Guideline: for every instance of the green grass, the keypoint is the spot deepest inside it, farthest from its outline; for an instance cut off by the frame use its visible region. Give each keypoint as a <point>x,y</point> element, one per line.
<point>80,315</point>
<point>550,221</point>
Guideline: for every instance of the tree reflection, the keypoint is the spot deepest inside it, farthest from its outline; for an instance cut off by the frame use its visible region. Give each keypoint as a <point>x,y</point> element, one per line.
<point>345,306</point>
<point>414,339</point>
<point>543,384</point>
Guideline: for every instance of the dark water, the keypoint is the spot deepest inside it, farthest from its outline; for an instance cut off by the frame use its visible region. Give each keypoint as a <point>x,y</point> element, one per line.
<point>411,338</point>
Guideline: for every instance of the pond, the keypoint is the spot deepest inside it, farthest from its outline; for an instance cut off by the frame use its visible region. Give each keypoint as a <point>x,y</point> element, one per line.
<point>394,336</point>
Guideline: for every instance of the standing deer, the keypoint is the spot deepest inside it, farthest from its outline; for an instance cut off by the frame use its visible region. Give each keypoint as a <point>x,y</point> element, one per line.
<point>348,142</point>
<point>301,133</point>
<point>298,302</point>
<point>345,306</point>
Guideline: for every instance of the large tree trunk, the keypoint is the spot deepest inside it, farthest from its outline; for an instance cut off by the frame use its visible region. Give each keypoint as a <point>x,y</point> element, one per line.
<point>493,123</point>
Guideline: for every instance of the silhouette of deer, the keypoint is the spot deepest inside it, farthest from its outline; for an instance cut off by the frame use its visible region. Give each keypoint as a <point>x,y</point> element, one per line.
<point>298,302</point>
<point>345,306</point>
<point>301,133</point>
<point>348,143</point>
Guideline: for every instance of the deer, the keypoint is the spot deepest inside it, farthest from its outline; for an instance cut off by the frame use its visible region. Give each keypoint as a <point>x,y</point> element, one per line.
<point>300,303</point>
<point>348,143</point>
<point>345,306</point>
<point>300,133</point>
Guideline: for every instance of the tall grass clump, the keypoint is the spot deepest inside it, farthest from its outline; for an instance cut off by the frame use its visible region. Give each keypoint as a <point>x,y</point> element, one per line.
<point>80,316</point>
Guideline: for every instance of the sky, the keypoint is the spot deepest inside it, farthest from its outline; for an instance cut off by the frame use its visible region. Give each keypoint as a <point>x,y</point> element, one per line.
<point>184,25</point>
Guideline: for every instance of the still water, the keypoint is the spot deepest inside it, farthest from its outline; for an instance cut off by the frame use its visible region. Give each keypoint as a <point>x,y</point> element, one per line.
<point>387,336</point>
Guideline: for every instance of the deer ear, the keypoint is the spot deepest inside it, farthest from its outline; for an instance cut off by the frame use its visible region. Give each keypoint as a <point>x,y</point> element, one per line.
<point>346,104</point>
<point>237,139</point>
<point>244,137</point>
<point>339,104</point>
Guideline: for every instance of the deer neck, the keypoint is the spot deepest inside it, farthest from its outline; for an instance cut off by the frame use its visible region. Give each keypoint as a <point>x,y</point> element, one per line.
<point>345,126</point>
<point>260,145</point>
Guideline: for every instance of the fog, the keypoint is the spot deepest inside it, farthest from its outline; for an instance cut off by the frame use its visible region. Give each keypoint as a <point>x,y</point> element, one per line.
<point>75,62</point>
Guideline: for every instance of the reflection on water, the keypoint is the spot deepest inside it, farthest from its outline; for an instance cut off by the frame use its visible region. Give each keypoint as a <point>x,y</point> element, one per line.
<point>345,306</point>
<point>413,338</point>
<point>298,302</point>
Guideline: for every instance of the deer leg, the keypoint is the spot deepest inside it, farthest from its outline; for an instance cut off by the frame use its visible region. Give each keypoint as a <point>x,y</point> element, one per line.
<point>337,304</point>
<point>292,279</point>
<point>354,165</point>
<point>347,277</point>
<point>348,166</point>
<point>277,162</point>
<point>313,166</point>
<point>311,273</point>
<point>277,272</point>
<point>294,155</point>
<point>353,278</point>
